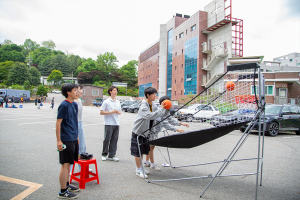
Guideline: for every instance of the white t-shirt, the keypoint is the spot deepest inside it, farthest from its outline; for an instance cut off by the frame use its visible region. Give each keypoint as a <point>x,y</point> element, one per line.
<point>110,105</point>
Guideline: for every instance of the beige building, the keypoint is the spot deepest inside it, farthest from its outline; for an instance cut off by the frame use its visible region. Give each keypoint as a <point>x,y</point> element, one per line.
<point>91,94</point>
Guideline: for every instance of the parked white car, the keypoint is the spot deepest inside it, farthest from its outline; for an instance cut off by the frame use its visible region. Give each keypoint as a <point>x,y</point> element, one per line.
<point>192,112</point>
<point>56,91</point>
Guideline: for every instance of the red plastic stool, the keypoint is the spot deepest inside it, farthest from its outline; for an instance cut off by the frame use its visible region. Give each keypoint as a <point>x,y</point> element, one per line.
<point>85,173</point>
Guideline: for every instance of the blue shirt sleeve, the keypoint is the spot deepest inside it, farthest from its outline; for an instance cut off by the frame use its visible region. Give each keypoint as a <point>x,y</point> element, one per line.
<point>62,111</point>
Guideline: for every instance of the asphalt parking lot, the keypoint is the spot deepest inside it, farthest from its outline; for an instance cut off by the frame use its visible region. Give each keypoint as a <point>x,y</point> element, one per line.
<point>29,162</point>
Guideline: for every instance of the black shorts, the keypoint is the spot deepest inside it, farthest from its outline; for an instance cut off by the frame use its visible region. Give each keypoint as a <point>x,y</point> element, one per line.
<point>134,145</point>
<point>69,154</point>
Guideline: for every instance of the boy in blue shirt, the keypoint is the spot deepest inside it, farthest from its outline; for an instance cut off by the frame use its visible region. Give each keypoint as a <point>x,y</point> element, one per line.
<point>67,135</point>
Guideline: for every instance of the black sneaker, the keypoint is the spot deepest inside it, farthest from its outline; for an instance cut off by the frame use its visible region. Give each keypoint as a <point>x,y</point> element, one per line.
<point>71,188</point>
<point>67,195</point>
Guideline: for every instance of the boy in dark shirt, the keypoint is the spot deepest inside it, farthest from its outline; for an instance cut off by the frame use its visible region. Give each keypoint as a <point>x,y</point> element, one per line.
<point>67,135</point>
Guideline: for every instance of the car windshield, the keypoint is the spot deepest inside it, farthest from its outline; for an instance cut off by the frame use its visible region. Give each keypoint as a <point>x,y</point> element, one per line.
<point>174,107</point>
<point>191,107</point>
<point>273,109</point>
<point>136,104</point>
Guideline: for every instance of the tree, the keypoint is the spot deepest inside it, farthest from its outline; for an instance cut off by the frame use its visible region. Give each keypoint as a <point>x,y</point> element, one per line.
<point>11,53</point>
<point>60,62</point>
<point>4,69</point>
<point>107,60</point>
<point>35,76</point>
<point>29,46</point>
<point>55,76</point>
<point>129,73</point>
<point>49,44</point>
<point>18,74</point>
<point>27,85</point>
<point>45,67</point>
<point>40,54</point>
<point>42,91</point>
<point>7,42</point>
<point>87,66</point>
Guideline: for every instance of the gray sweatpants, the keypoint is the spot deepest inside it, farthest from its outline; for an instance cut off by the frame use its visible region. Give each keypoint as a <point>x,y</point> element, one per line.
<point>111,136</point>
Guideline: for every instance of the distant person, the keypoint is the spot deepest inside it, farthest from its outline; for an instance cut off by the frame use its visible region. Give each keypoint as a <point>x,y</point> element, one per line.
<point>52,103</point>
<point>67,134</point>
<point>39,103</point>
<point>13,100</point>
<point>1,101</point>
<point>35,101</point>
<point>7,100</point>
<point>111,109</point>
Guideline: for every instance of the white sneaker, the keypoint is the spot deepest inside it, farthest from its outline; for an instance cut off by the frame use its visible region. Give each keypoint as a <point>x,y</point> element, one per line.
<point>147,164</point>
<point>141,174</point>
<point>146,171</point>
<point>155,168</point>
<point>104,158</point>
<point>114,159</point>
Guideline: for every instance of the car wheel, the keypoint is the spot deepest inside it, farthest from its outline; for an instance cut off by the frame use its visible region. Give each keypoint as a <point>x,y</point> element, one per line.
<point>123,109</point>
<point>242,130</point>
<point>189,118</point>
<point>273,129</point>
<point>135,110</point>
<point>297,132</point>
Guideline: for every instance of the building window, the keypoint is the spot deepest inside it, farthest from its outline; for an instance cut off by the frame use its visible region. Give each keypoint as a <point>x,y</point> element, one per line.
<point>181,66</point>
<point>175,53</point>
<point>181,35</point>
<point>175,81</point>
<point>181,80</point>
<point>175,67</point>
<point>186,31</point>
<point>181,51</point>
<point>193,27</point>
<point>95,92</point>
<point>269,90</point>
<point>175,92</point>
<point>181,92</point>
<point>176,37</point>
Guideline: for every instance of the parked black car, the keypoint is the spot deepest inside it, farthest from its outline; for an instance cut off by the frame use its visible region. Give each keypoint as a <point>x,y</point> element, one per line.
<point>280,118</point>
<point>134,108</point>
<point>232,117</point>
<point>127,103</point>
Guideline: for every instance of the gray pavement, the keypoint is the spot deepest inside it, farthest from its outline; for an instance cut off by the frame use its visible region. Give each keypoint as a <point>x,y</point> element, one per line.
<point>28,153</point>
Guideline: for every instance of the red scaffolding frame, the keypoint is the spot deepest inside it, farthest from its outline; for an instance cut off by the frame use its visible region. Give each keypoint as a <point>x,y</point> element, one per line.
<point>237,31</point>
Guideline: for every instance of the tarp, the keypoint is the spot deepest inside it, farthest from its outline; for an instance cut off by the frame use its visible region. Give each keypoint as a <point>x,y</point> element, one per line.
<point>194,138</point>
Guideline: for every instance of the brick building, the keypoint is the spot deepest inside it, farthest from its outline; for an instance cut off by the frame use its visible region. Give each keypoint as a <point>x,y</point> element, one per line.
<point>282,87</point>
<point>91,94</point>
<point>192,51</point>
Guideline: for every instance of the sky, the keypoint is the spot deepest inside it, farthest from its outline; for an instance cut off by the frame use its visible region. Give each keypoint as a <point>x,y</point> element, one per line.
<point>126,27</point>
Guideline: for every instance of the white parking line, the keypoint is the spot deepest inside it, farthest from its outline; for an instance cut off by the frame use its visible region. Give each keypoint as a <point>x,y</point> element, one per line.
<point>291,137</point>
<point>38,122</point>
<point>89,125</point>
<point>28,118</point>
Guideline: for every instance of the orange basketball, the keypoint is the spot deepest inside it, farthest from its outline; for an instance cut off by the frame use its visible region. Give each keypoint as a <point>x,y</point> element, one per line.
<point>230,86</point>
<point>168,104</point>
